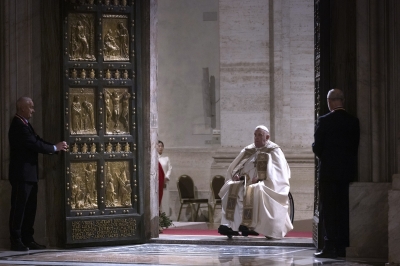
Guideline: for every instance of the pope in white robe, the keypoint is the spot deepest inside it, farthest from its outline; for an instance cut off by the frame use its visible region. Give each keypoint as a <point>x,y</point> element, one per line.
<point>255,194</point>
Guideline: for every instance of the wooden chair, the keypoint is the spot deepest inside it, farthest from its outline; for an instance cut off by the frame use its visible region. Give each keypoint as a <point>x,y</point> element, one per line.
<point>216,184</point>
<point>186,196</point>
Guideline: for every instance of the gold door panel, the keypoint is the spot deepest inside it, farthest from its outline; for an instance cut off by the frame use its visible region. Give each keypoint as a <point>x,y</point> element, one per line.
<point>82,111</point>
<point>116,108</point>
<point>81,34</point>
<point>115,37</point>
<point>118,186</point>
<point>83,186</point>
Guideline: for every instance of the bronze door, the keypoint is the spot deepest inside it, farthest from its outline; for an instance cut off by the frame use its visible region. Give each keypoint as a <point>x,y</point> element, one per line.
<point>321,76</point>
<point>103,196</point>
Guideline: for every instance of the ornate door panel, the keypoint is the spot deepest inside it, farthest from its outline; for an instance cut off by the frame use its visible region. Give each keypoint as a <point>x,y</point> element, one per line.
<point>103,197</point>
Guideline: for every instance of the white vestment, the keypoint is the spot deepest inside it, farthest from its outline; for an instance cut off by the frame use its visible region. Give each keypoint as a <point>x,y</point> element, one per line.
<point>268,199</point>
<point>166,165</point>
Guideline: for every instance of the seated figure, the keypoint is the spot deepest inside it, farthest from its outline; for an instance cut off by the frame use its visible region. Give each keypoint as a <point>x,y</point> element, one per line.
<point>255,193</point>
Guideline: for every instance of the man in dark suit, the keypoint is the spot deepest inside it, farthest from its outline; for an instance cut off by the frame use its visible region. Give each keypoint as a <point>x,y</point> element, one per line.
<point>25,145</point>
<point>336,140</point>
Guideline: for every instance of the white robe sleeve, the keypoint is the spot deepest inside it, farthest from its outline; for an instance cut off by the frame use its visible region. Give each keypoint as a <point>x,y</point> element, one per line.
<point>169,168</point>
<point>278,173</point>
<point>232,166</point>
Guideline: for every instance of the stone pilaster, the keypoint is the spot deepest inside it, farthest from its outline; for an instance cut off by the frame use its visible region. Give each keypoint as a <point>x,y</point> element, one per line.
<point>150,125</point>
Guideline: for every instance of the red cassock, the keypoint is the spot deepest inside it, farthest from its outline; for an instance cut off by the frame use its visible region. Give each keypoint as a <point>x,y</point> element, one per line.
<point>161,177</point>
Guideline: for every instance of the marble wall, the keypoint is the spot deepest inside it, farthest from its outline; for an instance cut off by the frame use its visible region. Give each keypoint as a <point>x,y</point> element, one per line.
<point>393,220</point>
<point>20,75</point>
<point>244,69</point>
<point>5,196</point>
<point>378,108</point>
<point>372,230</point>
<point>368,220</point>
<point>261,53</point>
<point>267,71</point>
<point>187,41</point>
<point>151,187</point>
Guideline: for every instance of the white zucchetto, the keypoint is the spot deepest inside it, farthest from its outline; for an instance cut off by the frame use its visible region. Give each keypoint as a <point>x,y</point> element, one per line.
<point>262,127</point>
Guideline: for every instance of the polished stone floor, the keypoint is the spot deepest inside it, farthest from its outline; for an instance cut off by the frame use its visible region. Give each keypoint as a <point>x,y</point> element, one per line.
<point>175,254</point>
<point>193,250</point>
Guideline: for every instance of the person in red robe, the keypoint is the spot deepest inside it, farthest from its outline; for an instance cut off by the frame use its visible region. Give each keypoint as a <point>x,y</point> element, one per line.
<point>161,177</point>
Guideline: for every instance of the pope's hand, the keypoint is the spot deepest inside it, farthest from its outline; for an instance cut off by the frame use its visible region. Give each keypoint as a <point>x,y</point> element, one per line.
<point>235,178</point>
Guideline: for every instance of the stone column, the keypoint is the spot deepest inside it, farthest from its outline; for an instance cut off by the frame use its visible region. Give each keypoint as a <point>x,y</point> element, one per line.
<point>150,121</point>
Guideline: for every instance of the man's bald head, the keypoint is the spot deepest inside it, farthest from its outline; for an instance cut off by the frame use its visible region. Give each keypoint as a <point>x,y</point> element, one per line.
<point>335,99</point>
<point>25,107</point>
<point>22,102</point>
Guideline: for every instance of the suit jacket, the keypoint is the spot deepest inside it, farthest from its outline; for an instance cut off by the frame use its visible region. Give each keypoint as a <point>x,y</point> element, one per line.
<point>336,140</point>
<point>25,146</point>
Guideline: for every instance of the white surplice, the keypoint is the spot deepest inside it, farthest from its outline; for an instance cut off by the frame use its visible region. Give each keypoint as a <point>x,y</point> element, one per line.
<point>166,165</point>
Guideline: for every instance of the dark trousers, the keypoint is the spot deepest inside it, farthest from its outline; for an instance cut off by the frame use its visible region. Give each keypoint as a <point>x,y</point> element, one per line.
<point>23,210</point>
<point>334,203</point>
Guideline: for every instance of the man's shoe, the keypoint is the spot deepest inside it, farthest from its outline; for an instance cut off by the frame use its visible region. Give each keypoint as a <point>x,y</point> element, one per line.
<point>326,254</point>
<point>17,245</point>
<point>250,233</point>
<point>246,232</point>
<point>243,228</point>
<point>33,245</point>
<point>225,230</point>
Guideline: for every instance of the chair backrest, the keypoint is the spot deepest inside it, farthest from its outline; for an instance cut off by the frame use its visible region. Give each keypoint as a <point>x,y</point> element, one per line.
<point>216,184</point>
<point>185,187</point>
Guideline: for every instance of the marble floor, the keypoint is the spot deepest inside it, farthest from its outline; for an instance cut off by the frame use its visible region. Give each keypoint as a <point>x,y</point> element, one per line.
<point>176,254</point>
<point>193,250</point>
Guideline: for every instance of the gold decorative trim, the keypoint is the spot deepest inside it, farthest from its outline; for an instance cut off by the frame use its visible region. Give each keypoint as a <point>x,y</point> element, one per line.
<point>262,162</point>
<point>248,206</point>
<point>232,200</point>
